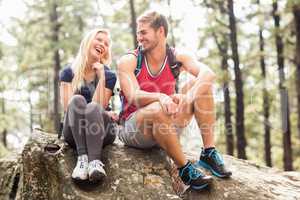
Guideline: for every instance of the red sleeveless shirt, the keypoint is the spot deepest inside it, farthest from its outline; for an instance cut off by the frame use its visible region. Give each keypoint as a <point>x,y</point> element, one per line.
<point>162,82</point>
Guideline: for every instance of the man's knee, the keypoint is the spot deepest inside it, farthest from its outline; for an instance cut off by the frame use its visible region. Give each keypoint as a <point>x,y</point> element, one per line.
<point>153,112</point>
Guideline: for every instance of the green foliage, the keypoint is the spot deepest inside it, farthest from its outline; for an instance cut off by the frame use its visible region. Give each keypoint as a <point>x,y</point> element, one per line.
<point>36,47</point>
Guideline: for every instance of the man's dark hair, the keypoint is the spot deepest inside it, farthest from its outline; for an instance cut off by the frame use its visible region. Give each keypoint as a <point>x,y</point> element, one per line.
<point>155,19</point>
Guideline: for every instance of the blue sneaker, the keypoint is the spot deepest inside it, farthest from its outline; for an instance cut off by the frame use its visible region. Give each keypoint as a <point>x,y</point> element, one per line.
<point>213,161</point>
<point>192,176</point>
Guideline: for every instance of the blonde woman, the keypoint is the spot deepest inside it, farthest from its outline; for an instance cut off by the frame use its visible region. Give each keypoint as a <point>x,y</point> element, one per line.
<point>86,88</point>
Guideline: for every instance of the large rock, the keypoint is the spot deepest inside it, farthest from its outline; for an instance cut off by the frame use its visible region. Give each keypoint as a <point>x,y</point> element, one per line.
<point>136,174</point>
<point>10,183</point>
<point>131,173</point>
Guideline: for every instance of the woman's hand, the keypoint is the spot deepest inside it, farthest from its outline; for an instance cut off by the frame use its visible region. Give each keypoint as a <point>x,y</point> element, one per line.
<point>114,116</point>
<point>99,69</point>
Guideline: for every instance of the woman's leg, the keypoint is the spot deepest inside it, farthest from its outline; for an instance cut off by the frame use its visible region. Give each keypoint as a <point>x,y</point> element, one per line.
<point>74,124</point>
<point>74,135</point>
<point>96,130</point>
<point>95,134</point>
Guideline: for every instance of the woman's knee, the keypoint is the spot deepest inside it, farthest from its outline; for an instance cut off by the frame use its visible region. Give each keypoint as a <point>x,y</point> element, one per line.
<point>78,101</point>
<point>94,107</point>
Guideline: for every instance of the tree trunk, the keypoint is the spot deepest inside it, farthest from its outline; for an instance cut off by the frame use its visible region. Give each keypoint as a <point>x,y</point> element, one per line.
<point>171,24</point>
<point>30,113</point>
<point>55,40</point>
<point>266,106</point>
<point>240,128</point>
<point>227,108</point>
<point>284,98</point>
<point>133,22</point>
<point>223,52</point>
<point>296,11</point>
<point>4,132</point>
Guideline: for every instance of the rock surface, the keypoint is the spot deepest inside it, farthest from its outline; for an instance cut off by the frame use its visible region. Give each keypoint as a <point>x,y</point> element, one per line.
<point>10,174</point>
<point>133,174</point>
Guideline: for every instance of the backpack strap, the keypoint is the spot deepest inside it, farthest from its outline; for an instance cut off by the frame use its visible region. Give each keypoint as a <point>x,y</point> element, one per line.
<point>140,56</point>
<point>173,63</point>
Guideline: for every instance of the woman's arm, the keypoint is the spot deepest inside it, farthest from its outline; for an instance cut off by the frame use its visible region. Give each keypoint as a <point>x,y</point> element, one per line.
<point>102,95</point>
<point>65,94</point>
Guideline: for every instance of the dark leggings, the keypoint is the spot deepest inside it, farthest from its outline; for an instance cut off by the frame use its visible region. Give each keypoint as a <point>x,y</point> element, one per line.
<point>87,128</point>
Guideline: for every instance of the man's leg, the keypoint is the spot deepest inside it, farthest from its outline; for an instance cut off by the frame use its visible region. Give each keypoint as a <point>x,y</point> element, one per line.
<point>203,109</point>
<point>153,122</point>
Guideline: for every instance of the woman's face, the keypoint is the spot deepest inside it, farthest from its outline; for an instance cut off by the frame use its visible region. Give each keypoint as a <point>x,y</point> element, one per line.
<point>99,47</point>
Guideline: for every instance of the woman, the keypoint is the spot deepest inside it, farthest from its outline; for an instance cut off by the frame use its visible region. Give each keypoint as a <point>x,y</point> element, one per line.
<point>86,88</point>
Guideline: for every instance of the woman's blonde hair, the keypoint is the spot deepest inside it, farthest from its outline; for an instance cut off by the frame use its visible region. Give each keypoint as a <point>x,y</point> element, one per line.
<point>79,65</point>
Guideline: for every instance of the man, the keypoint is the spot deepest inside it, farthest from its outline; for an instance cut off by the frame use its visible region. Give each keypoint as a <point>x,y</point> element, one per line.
<point>154,114</point>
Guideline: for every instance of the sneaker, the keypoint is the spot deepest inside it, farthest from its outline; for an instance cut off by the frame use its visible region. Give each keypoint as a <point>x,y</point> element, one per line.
<point>96,170</point>
<point>213,161</point>
<point>192,176</point>
<point>80,172</point>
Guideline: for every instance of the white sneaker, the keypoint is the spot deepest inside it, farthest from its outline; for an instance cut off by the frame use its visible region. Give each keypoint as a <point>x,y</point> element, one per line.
<point>96,170</point>
<point>80,172</point>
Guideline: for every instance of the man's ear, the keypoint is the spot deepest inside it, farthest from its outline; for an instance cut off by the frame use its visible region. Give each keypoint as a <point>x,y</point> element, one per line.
<point>162,31</point>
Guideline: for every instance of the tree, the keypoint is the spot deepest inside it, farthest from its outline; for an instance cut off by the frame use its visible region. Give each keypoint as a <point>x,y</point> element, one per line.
<point>221,38</point>
<point>266,106</point>
<point>171,24</point>
<point>240,128</point>
<point>133,22</point>
<point>284,98</point>
<point>55,26</point>
<point>296,12</point>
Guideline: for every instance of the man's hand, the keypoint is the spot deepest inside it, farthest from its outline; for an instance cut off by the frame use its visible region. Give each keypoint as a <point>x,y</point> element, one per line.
<point>181,100</point>
<point>168,105</point>
<point>99,69</point>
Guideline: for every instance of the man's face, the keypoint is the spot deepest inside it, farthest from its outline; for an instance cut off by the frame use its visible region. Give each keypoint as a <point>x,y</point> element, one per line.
<point>147,37</point>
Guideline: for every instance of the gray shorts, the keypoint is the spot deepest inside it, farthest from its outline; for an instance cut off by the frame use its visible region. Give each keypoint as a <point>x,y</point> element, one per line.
<point>130,135</point>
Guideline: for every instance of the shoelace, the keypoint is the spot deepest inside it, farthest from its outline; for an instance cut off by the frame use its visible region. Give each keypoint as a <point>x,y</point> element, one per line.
<point>81,165</point>
<point>96,164</point>
<point>216,156</point>
<point>193,172</point>
<point>82,160</point>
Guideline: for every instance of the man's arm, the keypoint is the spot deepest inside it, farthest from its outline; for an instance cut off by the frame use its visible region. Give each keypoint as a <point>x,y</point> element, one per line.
<point>204,75</point>
<point>130,86</point>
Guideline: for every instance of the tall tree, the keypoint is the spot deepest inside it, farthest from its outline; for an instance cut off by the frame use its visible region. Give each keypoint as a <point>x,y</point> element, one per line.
<point>55,26</point>
<point>296,11</point>
<point>133,23</point>
<point>223,52</point>
<point>4,132</point>
<point>219,30</point>
<point>284,98</point>
<point>240,127</point>
<point>171,31</point>
<point>266,106</point>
